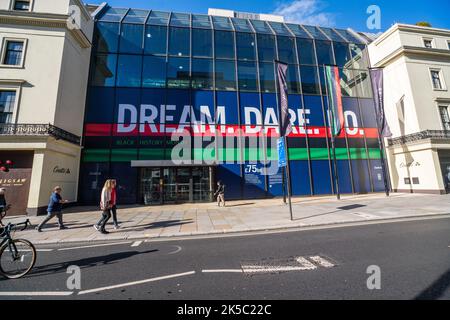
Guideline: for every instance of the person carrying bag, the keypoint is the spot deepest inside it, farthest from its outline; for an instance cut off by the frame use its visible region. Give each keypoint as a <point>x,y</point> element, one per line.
<point>105,206</point>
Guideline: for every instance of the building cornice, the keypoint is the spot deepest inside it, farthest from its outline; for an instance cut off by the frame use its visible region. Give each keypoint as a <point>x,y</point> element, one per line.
<point>407,50</point>
<point>14,82</point>
<point>48,20</point>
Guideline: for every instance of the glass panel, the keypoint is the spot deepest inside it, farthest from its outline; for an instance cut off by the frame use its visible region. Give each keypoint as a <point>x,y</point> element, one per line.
<point>342,54</point>
<point>7,103</point>
<point>201,21</point>
<point>359,56</point>
<point>310,80</point>
<point>201,180</point>
<point>324,53</point>
<point>293,79</point>
<point>107,37</point>
<point>267,77</point>
<point>280,29</point>
<point>315,32</point>
<point>155,40</point>
<point>180,20</point>
<point>201,43</point>
<point>179,42</point>
<point>136,16</point>
<point>129,69</point>
<point>225,75</point>
<point>178,73</point>
<point>150,186</point>
<point>347,83</point>
<point>222,23</point>
<point>286,50</point>
<point>261,27</point>
<point>170,185</point>
<point>22,5</point>
<point>158,18</point>
<point>444,117</point>
<point>247,76</point>
<point>113,14</point>
<point>298,31</point>
<point>104,70</point>
<point>332,34</point>
<point>306,53</point>
<point>224,44</point>
<point>364,85</point>
<point>202,74</point>
<point>154,72</point>
<point>266,47</point>
<point>241,25</point>
<point>245,46</point>
<point>131,38</point>
<point>350,37</point>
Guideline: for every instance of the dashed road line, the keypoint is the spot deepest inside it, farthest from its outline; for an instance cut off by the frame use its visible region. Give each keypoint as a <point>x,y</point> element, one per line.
<point>136,243</point>
<point>223,271</point>
<point>129,284</point>
<point>37,294</point>
<point>322,262</point>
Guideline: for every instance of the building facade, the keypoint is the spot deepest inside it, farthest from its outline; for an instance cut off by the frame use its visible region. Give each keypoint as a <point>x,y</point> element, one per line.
<point>201,89</point>
<point>45,49</point>
<point>416,63</point>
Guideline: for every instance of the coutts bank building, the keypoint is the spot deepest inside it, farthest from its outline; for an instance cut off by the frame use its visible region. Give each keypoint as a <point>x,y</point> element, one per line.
<point>179,101</point>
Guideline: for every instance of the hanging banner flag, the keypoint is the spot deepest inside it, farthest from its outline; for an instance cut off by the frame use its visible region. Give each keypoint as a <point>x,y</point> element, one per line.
<point>286,126</point>
<point>333,83</point>
<point>282,161</point>
<point>378,93</point>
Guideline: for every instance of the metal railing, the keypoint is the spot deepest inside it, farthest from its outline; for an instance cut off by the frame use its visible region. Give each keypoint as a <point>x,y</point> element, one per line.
<point>427,134</point>
<point>38,130</point>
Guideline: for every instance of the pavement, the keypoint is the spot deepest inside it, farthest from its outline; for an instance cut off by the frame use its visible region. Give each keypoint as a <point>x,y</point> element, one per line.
<point>396,260</point>
<point>187,220</point>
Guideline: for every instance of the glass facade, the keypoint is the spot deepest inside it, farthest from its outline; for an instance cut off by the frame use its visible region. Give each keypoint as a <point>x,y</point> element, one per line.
<point>156,73</point>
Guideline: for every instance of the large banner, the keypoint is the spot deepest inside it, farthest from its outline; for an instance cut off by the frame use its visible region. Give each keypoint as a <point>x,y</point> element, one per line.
<point>286,126</point>
<point>333,83</point>
<point>378,92</point>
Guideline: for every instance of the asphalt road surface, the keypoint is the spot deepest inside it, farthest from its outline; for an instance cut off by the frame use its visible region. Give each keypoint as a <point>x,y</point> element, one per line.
<point>413,259</point>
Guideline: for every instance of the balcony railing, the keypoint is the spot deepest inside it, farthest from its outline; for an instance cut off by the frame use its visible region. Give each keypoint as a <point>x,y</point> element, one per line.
<point>427,134</point>
<point>38,130</point>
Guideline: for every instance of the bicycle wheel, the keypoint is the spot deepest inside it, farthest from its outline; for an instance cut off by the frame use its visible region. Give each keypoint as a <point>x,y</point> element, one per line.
<point>17,258</point>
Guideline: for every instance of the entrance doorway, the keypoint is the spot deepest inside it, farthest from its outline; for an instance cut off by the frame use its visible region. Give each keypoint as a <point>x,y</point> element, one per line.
<point>176,185</point>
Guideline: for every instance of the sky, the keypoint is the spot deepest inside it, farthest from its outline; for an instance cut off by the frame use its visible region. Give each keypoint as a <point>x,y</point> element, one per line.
<point>341,14</point>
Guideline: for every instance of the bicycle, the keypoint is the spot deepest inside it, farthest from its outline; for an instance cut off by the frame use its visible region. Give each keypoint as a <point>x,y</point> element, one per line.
<point>17,256</point>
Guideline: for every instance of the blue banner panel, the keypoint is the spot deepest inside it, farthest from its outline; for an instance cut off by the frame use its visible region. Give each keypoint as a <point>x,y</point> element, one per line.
<point>300,181</point>
<point>296,112</point>
<point>92,178</point>
<point>314,105</point>
<point>351,112</point>
<point>270,110</point>
<point>154,98</point>
<point>203,105</point>
<point>230,175</point>
<point>345,180</point>
<point>275,187</point>
<point>361,178</point>
<point>376,170</point>
<point>176,101</point>
<point>321,177</point>
<point>100,108</point>
<point>250,109</point>
<point>132,99</point>
<point>368,113</point>
<point>255,181</point>
<point>126,177</point>
<point>227,101</point>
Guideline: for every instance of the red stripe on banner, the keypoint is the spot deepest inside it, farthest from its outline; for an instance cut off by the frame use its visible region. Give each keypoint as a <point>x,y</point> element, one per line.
<point>339,98</point>
<point>97,130</point>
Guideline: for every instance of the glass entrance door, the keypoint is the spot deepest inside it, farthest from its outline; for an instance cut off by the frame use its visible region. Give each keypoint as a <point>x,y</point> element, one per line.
<point>176,185</point>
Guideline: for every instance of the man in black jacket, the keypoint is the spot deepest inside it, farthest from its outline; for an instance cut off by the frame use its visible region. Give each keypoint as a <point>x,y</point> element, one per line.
<point>220,193</point>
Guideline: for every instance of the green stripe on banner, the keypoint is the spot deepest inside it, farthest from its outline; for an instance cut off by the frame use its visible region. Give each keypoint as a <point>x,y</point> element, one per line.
<point>231,154</point>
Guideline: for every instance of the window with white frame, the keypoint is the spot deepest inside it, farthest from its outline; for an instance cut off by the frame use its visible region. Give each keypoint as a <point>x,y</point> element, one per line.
<point>428,43</point>
<point>7,104</point>
<point>13,52</point>
<point>21,5</point>
<point>436,78</point>
<point>445,118</point>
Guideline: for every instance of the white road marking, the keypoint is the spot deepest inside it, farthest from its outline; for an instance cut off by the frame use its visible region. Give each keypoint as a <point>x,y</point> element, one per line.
<point>307,265</point>
<point>136,283</point>
<point>37,293</point>
<point>136,244</point>
<point>176,251</point>
<point>223,271</point>
<point>365,215</point>
<point>321,262</point>
<point>38,250</point>
<point>94,246</point>
<point>269,269</point>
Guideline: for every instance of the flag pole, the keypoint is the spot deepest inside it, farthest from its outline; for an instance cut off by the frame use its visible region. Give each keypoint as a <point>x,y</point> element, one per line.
<point>380,139</point>
<point>333,147</point>
<point>285,169</point>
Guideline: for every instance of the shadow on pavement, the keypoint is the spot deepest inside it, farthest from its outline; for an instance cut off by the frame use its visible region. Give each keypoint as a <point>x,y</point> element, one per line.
<point>84,263</point>
<point>345,208</point>
<point>156,225</point>
<point>436,289</point>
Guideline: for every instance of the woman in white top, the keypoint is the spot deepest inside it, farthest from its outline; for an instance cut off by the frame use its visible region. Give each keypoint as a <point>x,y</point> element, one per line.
<point>105,206</point>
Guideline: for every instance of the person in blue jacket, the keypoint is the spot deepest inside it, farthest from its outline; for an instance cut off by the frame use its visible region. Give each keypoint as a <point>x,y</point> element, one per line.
<point>54,209</point>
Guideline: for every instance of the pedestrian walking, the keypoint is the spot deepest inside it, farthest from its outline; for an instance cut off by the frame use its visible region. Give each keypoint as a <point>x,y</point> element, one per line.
<point>220,193</point>
<point>105,206</point>
<point>4,206</point>
<point>54,209</point>
<point>114,203</point>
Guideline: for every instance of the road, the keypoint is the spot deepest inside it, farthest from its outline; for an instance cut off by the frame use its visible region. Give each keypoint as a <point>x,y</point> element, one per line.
<point>413,257</point>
